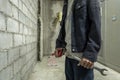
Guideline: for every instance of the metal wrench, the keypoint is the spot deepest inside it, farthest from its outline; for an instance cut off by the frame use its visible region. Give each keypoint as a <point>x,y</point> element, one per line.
<point>95,67</point>
<point>101,70</point>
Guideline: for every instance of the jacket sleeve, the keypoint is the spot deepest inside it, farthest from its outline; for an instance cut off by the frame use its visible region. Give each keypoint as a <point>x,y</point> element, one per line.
<point>94,33</point>
<point>60,42</point>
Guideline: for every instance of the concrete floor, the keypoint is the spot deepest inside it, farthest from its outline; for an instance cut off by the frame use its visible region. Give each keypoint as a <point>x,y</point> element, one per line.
<point>53,69</point>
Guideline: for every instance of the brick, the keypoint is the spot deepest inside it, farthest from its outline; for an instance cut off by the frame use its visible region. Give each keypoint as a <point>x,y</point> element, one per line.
<point>27,20</point>
<point>3,60</point>
<point>26,68</point>
<point>20,5</point>
<point>33,45</point>
<point>15,2</point>
<point>2,22</point>
<point>25,31</point>
<point>23,39</point>
<point>28,39</point>
<point>17,40</point>
<point>12,25</point>
<point>23,60</point>
<point>33,38</point>
<point>5,7</point>
<point>25,10</point>
<point>21,28</point>
<point>31,62</point>
<point>23,70</point>
<point>25,1</point>
<point>6,41</point>
<point>30,31</point>
<point>14,12</point>
<point>13,54</point>
<point>7,74</point>
<point>29,70</point>
<point>25,77</point>
<point>28,48</point>
<point>17,66</point>
<point>21,17</point>
<point>17,77</point>
<point>30,55</point>
<point>23,50</point>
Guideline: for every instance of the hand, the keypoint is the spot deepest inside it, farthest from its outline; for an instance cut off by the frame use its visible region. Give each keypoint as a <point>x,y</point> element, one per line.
<point>86,63</point>
<point>58,52</point>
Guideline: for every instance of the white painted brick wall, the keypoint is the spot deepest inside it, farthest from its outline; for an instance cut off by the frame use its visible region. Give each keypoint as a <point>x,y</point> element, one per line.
<point>24,69</point>
<point>25,10</point>
<point>5,7</point>
<point>23,39</point>
<point>25,30</point>
<point>23,60</point>
<point>18,38</point>
<point>17,77</point>
<point>29,48</point>
<point>14,12</point>
<point>2,22</point>
<point>12,25</point>
<point>28,39</point>
<point>33,45</point>
<point>3,60</point>
<point>29,64</point>
<point>20,5</point>
<point>23,50</point>
<point>6,74</point>
<point>21,28</point>
<point>21,17</point>
<point>15,2</point>
<point>30,55</point>
<point>13,54</point>
<point>6,40</point>
<point>17,66</point>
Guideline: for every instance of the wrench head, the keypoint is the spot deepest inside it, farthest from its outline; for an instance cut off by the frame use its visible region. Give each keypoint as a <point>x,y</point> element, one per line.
<point>102,72</point>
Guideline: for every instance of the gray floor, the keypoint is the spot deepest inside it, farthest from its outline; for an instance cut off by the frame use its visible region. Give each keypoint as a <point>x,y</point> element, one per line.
<point>53,69</point>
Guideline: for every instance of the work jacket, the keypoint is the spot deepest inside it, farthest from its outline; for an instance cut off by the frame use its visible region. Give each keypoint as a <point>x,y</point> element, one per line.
<point>86,28</point>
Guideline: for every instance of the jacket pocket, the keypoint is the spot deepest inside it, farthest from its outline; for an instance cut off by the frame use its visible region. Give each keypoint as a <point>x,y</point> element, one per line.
<point>80,10</point>
<point>79,6</point>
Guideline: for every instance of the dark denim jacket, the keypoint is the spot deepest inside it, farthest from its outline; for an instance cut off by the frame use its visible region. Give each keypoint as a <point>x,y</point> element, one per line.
<point>86,28</point>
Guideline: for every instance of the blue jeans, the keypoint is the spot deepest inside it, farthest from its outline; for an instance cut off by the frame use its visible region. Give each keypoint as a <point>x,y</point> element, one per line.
<point>74,72</point>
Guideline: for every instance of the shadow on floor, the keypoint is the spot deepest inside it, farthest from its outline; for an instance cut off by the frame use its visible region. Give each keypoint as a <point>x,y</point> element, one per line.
<point>53,69</point>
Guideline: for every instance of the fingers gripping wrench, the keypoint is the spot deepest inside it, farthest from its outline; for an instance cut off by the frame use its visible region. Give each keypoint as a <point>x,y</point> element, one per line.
<point>95,67</point>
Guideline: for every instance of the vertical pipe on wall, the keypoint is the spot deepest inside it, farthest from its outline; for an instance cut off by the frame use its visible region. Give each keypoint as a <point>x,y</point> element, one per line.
<point>38,31</point>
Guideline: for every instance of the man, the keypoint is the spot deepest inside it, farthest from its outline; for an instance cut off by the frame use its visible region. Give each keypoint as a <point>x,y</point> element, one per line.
<point>80,34</point>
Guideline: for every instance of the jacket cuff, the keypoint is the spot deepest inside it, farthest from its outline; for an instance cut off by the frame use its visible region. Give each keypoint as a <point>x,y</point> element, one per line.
<point>60,44</point>
<point>90,56</point>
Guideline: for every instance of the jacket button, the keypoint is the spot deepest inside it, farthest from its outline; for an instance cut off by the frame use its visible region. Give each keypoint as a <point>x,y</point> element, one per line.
<point>73,49</point>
